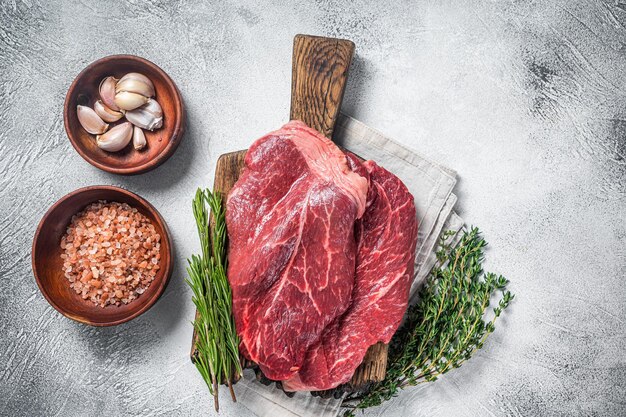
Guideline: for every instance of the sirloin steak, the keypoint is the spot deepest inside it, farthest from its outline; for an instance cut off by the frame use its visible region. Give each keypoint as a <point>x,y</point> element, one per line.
<point>292,248</point>
<point>387,237</point>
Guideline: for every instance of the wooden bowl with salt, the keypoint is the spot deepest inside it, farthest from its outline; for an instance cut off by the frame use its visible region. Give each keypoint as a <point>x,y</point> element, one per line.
<point>48,265</point>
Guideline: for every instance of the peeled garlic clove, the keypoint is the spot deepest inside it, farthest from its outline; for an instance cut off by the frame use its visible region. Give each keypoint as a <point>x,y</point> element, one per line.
<point>126,100</point>
<point>90,121</point>
<point>115,139</point>
<point>139,139</point>
<point>107,92</point>
<point>149,116</point>
<point>106,113</point>
<point>136,80</point>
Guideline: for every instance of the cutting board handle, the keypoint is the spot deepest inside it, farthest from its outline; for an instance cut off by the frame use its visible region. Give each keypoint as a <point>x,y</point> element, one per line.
<point>318,80</point>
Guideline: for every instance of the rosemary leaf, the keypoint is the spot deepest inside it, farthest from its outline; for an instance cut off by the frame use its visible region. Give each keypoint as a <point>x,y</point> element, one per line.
<point>217,345</point>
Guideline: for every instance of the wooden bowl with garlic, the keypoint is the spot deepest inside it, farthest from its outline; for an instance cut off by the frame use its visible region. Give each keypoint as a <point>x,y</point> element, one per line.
<point>124,115</point>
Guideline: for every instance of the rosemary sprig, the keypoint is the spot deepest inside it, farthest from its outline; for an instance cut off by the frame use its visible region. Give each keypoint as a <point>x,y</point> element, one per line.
<point>447,325</point>
<point>217,345</point>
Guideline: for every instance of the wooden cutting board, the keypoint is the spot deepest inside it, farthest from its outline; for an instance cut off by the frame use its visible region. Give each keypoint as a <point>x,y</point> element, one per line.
<point>319,74</point>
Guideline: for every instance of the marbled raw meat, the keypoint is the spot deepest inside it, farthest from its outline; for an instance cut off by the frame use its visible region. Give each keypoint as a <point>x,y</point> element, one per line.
<point>292,249</point>
<point>386,236</point>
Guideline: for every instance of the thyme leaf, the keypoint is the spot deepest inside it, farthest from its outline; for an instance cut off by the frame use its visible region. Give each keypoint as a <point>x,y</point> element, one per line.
<point>446,326</point>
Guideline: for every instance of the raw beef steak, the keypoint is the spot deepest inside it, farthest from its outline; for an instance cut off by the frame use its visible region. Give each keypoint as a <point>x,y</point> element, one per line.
<point>386,237</point>
<point>292,249</point>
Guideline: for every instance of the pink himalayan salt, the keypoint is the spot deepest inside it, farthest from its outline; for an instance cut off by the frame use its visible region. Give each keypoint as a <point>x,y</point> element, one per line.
<point>111,253</point>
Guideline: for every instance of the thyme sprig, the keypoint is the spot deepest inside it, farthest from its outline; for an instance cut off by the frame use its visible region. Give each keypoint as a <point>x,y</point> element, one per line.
<point>217,344</point>
<point>446,326</point>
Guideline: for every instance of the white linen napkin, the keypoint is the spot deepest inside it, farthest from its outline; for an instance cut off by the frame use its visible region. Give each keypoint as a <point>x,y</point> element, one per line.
<point>431,184</point>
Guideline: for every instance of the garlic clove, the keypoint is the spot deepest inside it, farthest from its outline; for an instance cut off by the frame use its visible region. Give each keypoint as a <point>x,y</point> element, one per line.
<point>149,116</point>
<point>137,78</point>
<point>153,107</point>
<point>106,113</point>
<point>107,92</point>
<point>139,139</point>
<point>126,100</point>
<point>135,86</point>
<point>90,121</point>
<point>117,138</point>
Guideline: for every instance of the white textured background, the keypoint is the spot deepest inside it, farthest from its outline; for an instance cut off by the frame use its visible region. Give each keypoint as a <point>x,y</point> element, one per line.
<point>525,99</point>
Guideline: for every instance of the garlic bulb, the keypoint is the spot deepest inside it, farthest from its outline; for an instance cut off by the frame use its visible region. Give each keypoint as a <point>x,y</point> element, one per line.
<point>115,139</point>
<point>90,121</point>
<point>107,92</point>
<point>135,83</point>
<point>126,100</point>
<point>149,116</point>
<point>106,113</point>
<point>139,139</point>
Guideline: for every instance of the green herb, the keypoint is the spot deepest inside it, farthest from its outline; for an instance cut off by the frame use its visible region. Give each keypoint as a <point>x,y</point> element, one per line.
<point>447,325</point>
<point>217,343</point>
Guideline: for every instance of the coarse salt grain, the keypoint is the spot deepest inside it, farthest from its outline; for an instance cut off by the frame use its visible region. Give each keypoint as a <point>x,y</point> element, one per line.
<point>103,261</point>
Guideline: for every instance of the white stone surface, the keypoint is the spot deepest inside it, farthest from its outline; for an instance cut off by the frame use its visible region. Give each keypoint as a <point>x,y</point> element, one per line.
<point>524,99</point>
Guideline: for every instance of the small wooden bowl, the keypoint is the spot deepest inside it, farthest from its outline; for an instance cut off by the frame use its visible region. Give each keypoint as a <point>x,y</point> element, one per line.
<point>47,263</point>
<point>161,142</point>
